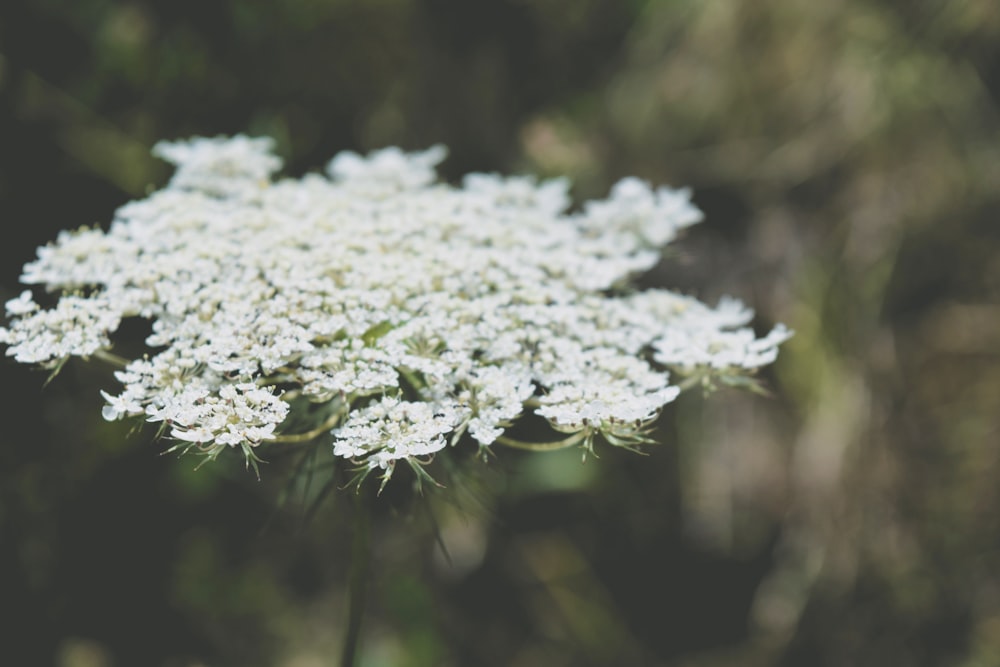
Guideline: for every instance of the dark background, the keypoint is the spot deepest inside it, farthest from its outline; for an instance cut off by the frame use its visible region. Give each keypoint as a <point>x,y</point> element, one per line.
<point>847,155</point>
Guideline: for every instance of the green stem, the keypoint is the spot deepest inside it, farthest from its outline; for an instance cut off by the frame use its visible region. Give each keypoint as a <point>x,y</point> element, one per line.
<point>309,435</point>
<point>692,381</point>
<point>550,446</point>
<point>357,583</point>
<point>111,358</point>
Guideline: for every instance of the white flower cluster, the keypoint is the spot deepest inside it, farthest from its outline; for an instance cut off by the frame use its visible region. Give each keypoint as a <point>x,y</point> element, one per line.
<point>423,312</point>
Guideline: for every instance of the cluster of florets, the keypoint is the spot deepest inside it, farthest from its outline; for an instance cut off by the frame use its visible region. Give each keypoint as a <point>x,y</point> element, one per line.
<point>408,313</point>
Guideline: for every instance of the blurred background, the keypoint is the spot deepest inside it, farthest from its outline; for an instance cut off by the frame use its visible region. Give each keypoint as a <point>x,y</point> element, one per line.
<point>847,156</point>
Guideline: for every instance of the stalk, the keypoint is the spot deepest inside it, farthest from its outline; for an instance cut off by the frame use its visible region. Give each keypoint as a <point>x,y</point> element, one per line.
<point>357,584</point>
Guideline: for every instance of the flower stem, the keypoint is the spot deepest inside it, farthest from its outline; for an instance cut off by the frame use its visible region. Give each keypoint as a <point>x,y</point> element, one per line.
<point>549,446</point>
<point>309,435</point>
<point>357,584</point>
<point>111,358</point>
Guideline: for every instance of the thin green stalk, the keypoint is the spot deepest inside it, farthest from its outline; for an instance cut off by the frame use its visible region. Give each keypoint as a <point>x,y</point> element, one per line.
<point>550,446</point>
<point>309,435</point>
<point>357,584</point>
<point>111,358</point>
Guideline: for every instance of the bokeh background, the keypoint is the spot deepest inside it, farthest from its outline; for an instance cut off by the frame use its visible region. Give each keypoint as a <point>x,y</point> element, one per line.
<point>847,156</point>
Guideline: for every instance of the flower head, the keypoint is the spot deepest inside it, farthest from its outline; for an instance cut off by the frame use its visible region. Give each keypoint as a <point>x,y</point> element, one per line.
<point>411,314</point>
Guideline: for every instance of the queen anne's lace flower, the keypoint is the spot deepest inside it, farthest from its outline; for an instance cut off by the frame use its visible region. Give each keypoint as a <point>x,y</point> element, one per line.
<point>221,166</point>
<point>389,429</point>
<point>414,314</point>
